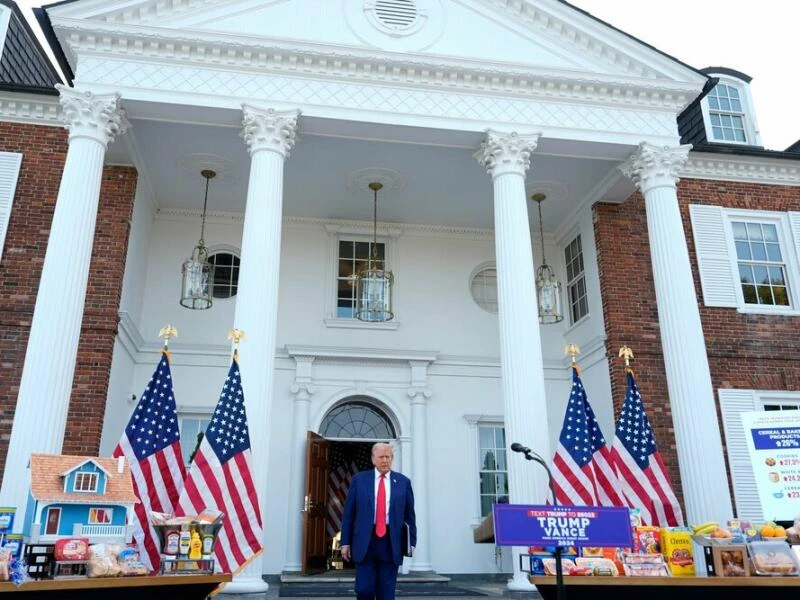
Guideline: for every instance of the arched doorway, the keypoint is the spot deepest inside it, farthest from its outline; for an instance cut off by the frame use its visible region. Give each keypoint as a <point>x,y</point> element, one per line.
<point>340,450</point>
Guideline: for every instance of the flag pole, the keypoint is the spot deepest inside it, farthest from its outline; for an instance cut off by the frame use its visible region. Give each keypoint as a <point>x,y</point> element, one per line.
<point>237,335</point>
<point>573,350</point>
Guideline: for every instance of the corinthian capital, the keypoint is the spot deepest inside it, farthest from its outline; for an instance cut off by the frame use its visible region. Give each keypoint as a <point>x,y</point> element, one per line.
<point>655,166</point>
<point>268,129</point>
<point>94,116</point>
<point>502,153</point>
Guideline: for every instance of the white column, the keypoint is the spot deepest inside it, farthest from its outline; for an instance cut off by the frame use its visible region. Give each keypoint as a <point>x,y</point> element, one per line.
<point>705,483</point>
<point>269,136</point>
<point>43,400</point>
<point>420,394</point>
<point>507,158</point>
<point>302,390</point>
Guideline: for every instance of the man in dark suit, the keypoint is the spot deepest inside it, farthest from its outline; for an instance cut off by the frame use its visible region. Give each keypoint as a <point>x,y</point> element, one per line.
<point>378,502</point>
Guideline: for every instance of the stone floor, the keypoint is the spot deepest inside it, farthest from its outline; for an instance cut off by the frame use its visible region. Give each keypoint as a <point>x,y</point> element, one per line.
<point>486,588</point>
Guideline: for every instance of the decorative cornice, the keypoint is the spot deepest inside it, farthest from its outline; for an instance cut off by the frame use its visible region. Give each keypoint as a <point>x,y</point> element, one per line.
<point>333,227</point>
<point>268,129</point>
<point>652,166</point>
<point>97,117</point>
<point>745,169</point>
<point>502,153</point>
<point>30,108</point>
<point>249,53</point>
<point>322,353</point>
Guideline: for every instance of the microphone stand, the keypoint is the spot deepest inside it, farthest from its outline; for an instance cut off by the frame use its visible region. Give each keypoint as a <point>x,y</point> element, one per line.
<point>561,592</point>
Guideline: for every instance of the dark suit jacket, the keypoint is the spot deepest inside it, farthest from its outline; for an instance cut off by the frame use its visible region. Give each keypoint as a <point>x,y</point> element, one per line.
<point>358,520</point>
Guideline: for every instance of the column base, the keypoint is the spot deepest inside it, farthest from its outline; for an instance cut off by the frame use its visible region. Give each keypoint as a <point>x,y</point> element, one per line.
<point>245,585</point>
<point>520,583</point>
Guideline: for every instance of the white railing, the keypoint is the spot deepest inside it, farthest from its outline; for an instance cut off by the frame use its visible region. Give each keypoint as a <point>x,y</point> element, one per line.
<point>79,530</point>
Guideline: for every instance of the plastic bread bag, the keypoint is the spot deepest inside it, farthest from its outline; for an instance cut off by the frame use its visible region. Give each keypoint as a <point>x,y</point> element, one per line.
<point>103,560</point>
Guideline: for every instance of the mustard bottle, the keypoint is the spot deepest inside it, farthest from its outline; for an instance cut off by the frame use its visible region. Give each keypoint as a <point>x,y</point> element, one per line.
<point>195,546</point>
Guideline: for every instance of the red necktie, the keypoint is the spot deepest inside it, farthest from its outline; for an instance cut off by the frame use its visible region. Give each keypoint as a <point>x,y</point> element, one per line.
<point>380,509</point>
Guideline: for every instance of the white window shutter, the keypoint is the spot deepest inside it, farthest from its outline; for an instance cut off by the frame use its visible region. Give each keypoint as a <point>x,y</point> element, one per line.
<point>713,260</point>
<point>9,172</point>
<point>794,221</point>
<point>732,404</point>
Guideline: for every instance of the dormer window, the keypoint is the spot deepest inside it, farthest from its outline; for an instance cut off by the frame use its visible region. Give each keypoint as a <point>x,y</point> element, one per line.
<point>728,109</point>
<point>85,482</point>
<point>726,114</point>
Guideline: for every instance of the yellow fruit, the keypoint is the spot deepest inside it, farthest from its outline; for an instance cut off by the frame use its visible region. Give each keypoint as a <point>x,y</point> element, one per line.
<point>779,531</point>
<point>767,531</point>
<point>706,527</point>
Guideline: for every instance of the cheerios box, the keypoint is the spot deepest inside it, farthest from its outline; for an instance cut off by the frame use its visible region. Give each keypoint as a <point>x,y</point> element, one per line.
<point>676,546</point>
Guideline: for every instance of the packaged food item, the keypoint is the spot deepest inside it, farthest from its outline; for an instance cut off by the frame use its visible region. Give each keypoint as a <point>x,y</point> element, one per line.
<point>103,560</point>
<point>646,539</point>
<point>773,558</point>
<point>598,565</point>
<point>730,561</point>
<point>644,565</point>
<point>184,541</point>
<point>171,542</point>
<point>129,562</point>
<point>549,565</point>
<point>676,546</point>
<point>207,544</point>
<point>72,549</point>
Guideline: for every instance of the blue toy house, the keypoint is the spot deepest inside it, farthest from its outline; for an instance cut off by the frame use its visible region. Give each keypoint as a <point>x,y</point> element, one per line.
<point>79,496</point>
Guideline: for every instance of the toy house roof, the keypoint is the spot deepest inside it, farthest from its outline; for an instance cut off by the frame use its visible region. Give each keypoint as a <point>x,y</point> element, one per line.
<point>48,472</point>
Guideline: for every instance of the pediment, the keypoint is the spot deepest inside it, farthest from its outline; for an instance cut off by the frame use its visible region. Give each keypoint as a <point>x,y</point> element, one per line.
<point>486,35</point>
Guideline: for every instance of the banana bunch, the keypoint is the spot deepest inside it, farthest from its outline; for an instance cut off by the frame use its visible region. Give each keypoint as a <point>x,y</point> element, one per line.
<point>705,528</point>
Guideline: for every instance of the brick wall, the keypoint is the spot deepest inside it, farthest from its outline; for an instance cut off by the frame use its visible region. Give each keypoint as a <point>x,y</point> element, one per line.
<point>44,152</point>
<point>744,351</point>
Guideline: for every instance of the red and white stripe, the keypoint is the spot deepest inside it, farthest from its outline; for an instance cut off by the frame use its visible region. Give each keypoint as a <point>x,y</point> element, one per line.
<point>594,484</point>
<point>228,487</point>
<point>649,488</point>
<point>157,481</point>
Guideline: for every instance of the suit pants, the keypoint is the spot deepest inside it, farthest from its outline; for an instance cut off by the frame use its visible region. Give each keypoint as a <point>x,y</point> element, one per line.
<point>376,575</point>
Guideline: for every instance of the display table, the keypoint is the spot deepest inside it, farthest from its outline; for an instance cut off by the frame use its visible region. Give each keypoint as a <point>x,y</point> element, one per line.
<point>120,588</point>
<point>658,588</point>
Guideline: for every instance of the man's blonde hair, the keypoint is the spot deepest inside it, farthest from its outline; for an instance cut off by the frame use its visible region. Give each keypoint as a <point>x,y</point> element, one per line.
<point>378,445</point>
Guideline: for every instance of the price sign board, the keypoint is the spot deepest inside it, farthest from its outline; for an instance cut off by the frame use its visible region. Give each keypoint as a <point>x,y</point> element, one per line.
<point>545,525</point>
<point>773,439</point>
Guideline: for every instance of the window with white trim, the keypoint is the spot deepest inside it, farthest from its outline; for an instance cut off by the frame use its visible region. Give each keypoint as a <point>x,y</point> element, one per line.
<point>728,111</point>
<point>493,469</point>
<point>726,114</point>
<point>732,404</point>
<point>191,427</point>
<point>100,516</point>
<point>353,257</point>
<point>85,482</point>
<point>748,259</point>
<point>576,281</point>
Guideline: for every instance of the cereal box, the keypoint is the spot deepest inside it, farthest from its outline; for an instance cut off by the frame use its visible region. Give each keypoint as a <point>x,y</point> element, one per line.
<point>676,546</point>
<point>645,540</point>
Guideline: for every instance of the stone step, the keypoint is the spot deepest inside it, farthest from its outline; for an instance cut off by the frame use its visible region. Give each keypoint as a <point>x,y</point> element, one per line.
<point>349,577</point>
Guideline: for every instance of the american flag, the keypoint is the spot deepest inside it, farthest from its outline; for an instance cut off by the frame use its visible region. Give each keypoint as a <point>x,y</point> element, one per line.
<point>583,473</point>
<point>221,478</point>
<point>344,461</point>
<point>151,445</point>
<point>643,479</point>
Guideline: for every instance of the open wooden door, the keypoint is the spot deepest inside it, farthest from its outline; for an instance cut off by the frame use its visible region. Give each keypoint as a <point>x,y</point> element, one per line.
<point>315,505</point>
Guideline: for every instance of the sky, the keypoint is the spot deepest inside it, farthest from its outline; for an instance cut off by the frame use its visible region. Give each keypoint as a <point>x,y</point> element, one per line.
<point>755,38</point>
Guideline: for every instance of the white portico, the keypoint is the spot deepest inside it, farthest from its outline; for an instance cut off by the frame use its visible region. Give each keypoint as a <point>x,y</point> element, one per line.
<point>320,92</point>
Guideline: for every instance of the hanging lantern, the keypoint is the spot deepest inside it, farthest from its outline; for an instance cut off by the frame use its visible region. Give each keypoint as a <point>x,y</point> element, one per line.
<point>548,287</point>
<point>374,284</point>
<point>197,272</point>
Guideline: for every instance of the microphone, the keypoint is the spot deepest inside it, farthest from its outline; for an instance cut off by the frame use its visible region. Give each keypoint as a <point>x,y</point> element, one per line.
<point>517,447</point>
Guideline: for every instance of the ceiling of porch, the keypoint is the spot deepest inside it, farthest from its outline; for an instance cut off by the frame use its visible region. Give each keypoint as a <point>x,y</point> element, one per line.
<point>437,180</point>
